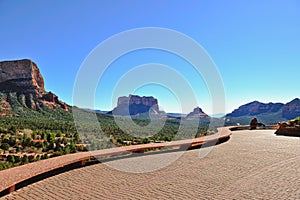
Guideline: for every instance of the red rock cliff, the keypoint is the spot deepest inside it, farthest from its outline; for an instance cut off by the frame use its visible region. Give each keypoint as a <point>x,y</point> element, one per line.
<point>21,84</point>
<point>21,76</point>
<point>135,99</point>
<point>134,105</point>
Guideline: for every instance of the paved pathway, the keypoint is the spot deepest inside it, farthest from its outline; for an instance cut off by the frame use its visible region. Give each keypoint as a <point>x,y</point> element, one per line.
<point>10,177</point>
<point>251,165</point>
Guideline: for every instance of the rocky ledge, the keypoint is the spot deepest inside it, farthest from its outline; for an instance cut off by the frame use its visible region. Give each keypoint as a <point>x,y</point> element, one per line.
<point>22,85</point>
<point>135,105</point>
<point>21,76</point>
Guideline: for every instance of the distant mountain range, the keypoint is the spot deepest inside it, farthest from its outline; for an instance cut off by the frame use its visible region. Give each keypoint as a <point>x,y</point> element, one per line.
<point>176,115</point>
<point>96,111</point>
<point>269,113</point>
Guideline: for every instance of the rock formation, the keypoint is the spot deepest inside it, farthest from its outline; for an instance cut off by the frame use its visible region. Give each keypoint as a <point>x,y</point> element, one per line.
<point>197,113</point>
<point>51,98</point>
<point>134,105</point>
<point>21,76</point>
<point>22,86</point>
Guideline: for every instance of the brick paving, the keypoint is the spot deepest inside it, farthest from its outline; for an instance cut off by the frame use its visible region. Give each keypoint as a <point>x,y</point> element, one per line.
<point>251,165</point>
<point>10,177</point>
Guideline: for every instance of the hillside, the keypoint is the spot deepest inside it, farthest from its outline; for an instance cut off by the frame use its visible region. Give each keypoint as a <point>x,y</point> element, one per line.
<point>269,113</point>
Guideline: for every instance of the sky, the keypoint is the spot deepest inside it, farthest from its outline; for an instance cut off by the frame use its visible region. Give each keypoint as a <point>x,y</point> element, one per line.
<point>255,46</point>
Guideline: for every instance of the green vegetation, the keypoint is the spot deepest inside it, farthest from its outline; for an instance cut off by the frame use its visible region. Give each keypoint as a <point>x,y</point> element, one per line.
<point>111,134</point>
<point>295,123</point>
<point>35,137</point>
<point>28,140</point>
<point>19,109</point>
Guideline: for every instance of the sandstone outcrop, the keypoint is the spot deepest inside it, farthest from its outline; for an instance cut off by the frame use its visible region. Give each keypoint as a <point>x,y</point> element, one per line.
<point>22,86</point>
<point>197,113</point>
<point>21,76</point>
<point>53,99</point>
<point>134,105</point>
<point>135,99</point>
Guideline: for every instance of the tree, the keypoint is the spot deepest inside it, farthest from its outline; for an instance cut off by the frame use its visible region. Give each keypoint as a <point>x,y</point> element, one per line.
<point>37,158</point>
<point>11,158</point>
<point>67,150</point>
<point>57,146</point>
<point>12,129</point>
<point>45,156</point>
<point>31,158</point>
<point>5,140</point>
<point>39,145</point>
<point>12,141</point>
<point>26,142</point>
<point>18,149</point>
<point>51,137</point>
<point>59,134</point>
<point>72,147</point>
<point>146,140</point>
<point>5,146</point>
<point>17,159</point>
<point>44,136</point>
<point>76,137</point>
<point>33,135</point>
<point>25,159</point>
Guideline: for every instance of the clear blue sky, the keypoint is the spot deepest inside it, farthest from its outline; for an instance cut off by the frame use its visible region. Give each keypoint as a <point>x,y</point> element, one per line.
<point>255,44</point>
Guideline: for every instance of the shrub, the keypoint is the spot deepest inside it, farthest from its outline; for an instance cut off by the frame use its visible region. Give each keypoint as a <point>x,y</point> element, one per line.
<point>45,156</point>
<point>17,159</point>
<point>5,165</point>
<point>31,158</point>
<point>11,158</point>
<point>67,149</point>
<point>25,159</point>
<point>5,146</point>
<point>57,153</point>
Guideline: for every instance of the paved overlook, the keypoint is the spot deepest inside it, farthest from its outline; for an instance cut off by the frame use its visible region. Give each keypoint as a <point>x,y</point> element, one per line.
<point>251,165</point>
